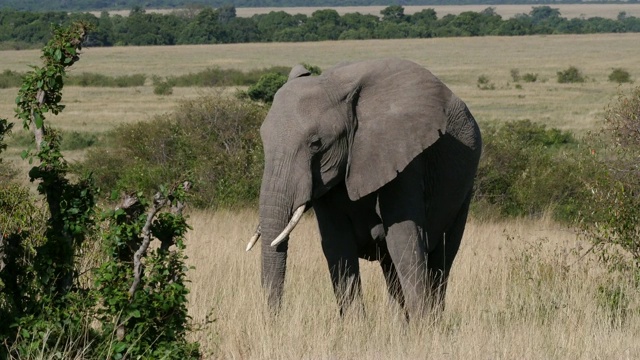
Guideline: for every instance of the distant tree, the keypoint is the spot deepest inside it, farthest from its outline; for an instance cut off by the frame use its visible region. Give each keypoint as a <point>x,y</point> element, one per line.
<point>393,13</point>
<point>326,24</point>
<point>204,29</point>
<point>226,13</point>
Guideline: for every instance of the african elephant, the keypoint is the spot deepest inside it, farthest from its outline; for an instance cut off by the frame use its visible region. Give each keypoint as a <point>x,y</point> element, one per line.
<point>386,154</point>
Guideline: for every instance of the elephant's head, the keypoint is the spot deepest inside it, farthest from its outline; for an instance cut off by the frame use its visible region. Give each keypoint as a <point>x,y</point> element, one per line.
<point>357,123</point>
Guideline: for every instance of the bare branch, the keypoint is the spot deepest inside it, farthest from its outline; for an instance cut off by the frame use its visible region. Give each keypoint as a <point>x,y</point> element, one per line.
<point>158,203</point>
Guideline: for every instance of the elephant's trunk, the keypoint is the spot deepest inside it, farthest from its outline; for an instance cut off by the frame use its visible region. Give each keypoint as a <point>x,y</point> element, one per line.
<point>273,219</point>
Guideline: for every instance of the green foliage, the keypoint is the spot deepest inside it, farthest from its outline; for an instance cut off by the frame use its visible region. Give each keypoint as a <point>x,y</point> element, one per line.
<point>43,300</point>
<point>215,139</point>
<point>620,76</point>
<point>611,222</point>
<point>522,161</point>
<point>39,272</point>
<point>515,75</point>
<point>205,24</point>
<point>99,80</point>
<point>78,140</point>
<point>265,89</point>
<point>10,79</point>
<point>530,77</point>
<point>484,83</point>
<point>268,84</point>
<point>570,75</point>
<point>6,171</point>
<point>223,77</point>
<point>162,88</point>
<point>149,317</point>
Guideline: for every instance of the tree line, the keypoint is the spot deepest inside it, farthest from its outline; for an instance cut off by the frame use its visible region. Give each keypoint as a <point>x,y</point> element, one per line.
<point>208,25</point>
<point>86,5</point>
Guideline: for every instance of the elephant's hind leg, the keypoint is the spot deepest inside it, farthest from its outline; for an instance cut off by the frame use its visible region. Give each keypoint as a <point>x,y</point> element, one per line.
<point>440,260</point>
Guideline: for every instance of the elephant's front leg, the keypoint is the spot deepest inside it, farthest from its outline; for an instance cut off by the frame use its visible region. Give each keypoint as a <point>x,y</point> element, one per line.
<point>340,249</point>
<point>402,209</point>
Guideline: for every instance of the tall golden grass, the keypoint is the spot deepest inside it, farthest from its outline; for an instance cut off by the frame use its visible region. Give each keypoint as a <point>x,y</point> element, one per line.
<point>518,290</point>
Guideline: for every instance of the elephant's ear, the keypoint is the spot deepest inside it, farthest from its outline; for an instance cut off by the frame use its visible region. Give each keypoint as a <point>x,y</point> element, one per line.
<point>400,109</point>
<point>298,71</point>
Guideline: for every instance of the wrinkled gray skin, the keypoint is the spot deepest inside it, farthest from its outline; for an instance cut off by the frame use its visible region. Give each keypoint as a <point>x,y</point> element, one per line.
<point>386,154</point>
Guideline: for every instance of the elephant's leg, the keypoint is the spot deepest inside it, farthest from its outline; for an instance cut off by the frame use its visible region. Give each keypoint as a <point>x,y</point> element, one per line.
<point>393,282</point>
<point>441,258</point>
<point>340,249</point>
<point>402,210</point>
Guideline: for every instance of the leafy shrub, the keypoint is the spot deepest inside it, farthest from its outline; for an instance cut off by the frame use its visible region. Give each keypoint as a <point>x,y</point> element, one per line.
<point>6,171</point>
<point>265,89</point>
<point>484,83</point>
<point>530,77</point>
<point>620,76</point>
<point>611,222</point>
<point>99,80</point>
<point>215,139</point>
<point>163,88</point>
<point>78,140</point>
<point>224,77</point>
<point>10,79</point>
<point>526,170</point>
<point>44,300</point>
<point>570,75</point>
<point>515,75</point>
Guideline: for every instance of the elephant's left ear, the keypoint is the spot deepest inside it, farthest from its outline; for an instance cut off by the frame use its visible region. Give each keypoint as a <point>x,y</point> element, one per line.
<point>401,110</point>
<point>298,71</point>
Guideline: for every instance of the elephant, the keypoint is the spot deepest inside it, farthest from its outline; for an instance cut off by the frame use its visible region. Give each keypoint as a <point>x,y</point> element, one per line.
<point>386,155</point>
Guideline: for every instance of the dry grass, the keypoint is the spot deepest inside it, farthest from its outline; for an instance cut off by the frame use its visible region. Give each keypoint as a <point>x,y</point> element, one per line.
<point>506,11</point>
<point>522,296</point>
<point>458,61</point>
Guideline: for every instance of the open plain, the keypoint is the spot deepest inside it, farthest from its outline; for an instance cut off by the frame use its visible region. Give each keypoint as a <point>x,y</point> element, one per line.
<point>519,289</point>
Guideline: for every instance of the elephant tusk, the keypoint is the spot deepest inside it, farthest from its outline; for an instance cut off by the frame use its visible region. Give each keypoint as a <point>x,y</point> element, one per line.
<point>297,215</point>
<point>254,239</point>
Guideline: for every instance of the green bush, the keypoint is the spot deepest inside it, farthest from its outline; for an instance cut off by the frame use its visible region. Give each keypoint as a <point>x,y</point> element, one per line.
<point>98,80</point>
<point>612,221</point>
<point>48,305</point>
<point>515,75</point>
<point>163,88</point>
<point>570,75</point>
<point>10,79</point>
<point>215,139</point>
<point>223,77</point>
<point>484,83</point>
<point>620,76</point>
<point>530,77</point>
<point>265,89</point>
<point>526,170</point>
<point>75,140</point>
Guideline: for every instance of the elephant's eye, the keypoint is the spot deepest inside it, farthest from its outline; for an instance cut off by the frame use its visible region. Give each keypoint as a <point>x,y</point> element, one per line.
<point>315,144</point>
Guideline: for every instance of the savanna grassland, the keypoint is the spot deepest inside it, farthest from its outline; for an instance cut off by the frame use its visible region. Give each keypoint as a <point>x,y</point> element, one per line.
<point>519,289</point>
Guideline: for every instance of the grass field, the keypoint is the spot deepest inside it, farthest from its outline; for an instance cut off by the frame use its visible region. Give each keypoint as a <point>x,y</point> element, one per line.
<point>457,61</point>
<point>506,11</point>
<point>519,289</point>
